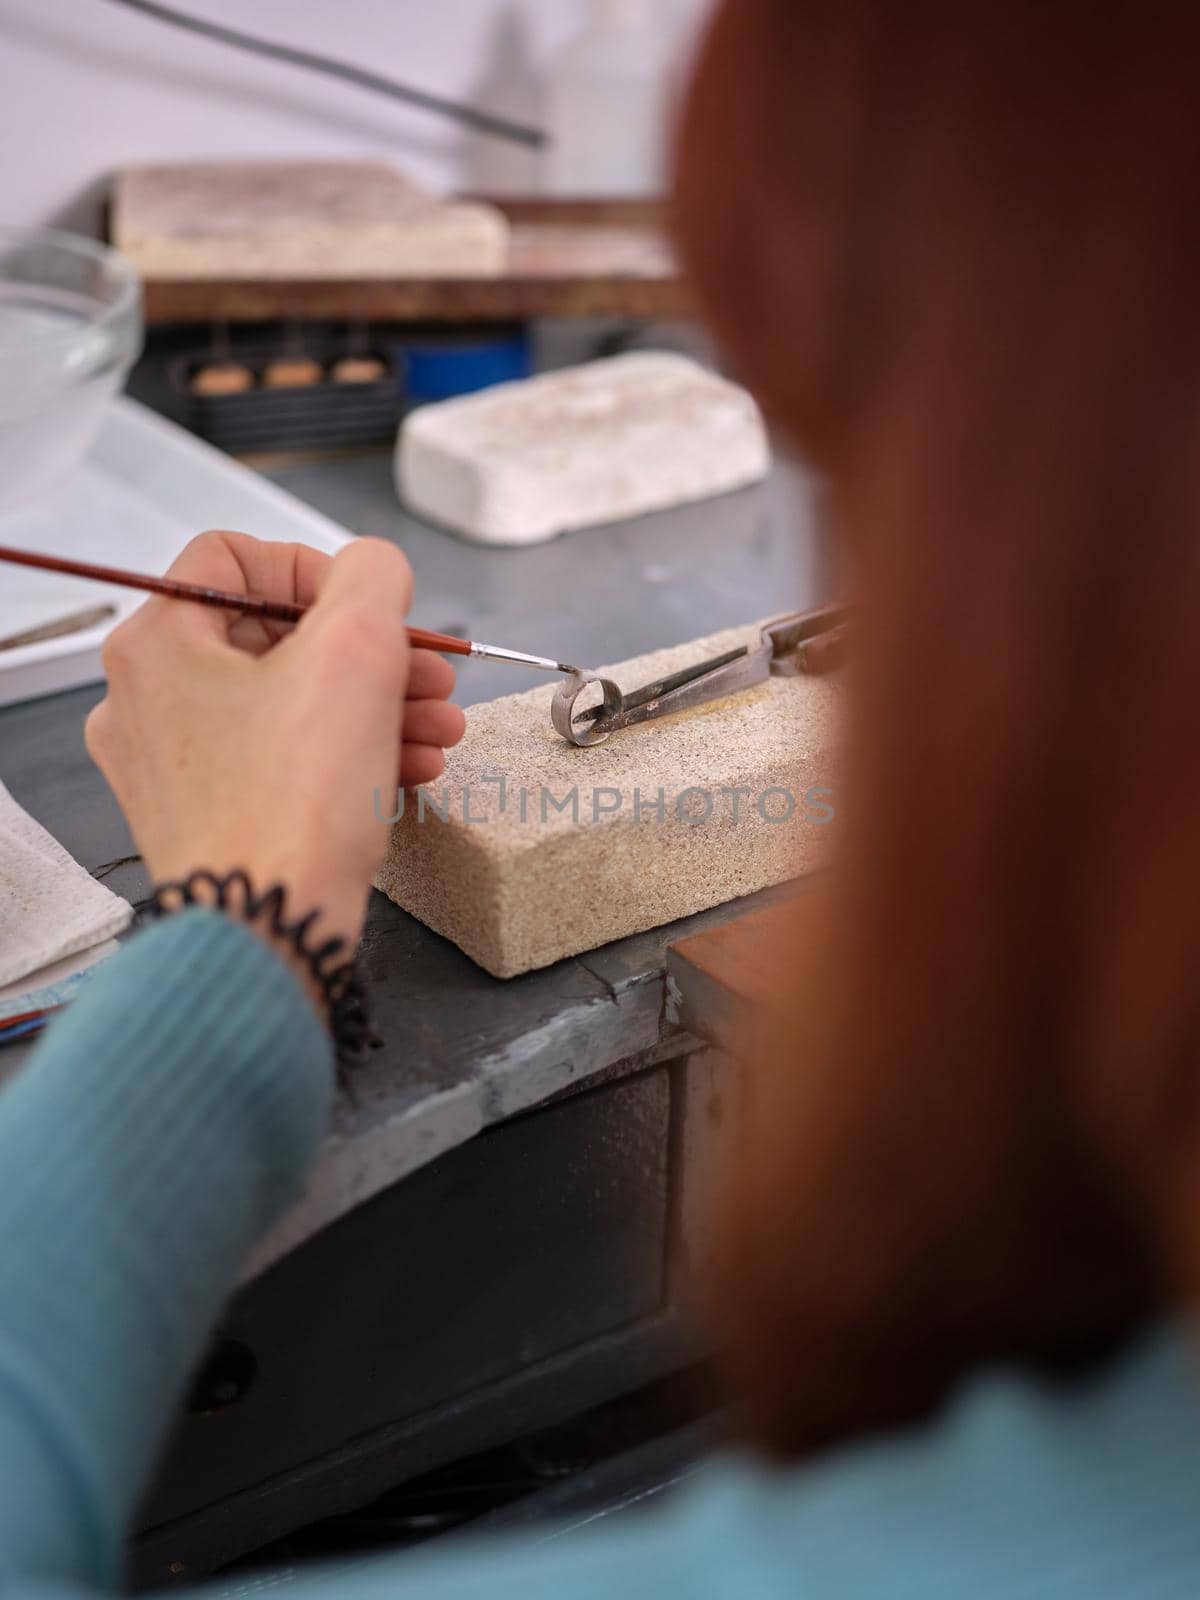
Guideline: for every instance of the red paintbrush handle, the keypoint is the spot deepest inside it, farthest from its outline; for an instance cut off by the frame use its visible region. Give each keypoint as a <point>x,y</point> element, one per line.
<point>424,639</point>
<point>247,604</point>
<point>174,588</point>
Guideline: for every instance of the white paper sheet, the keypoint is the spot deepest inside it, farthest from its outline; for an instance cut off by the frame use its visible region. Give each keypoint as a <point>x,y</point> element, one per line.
<point>145,490</point>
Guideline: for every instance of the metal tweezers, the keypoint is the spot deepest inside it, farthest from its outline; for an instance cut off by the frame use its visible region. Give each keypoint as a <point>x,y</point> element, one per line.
<point>810,642</point>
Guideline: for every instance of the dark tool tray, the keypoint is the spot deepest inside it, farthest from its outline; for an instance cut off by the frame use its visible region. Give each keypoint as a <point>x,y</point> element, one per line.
<point>317,416</point>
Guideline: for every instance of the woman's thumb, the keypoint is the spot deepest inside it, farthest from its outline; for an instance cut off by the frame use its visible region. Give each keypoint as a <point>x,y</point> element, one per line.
<point>369,568</point>
<point>357,622</point>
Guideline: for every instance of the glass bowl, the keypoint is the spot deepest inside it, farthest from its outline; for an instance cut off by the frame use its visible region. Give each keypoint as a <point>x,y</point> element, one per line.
<point>70,329</point>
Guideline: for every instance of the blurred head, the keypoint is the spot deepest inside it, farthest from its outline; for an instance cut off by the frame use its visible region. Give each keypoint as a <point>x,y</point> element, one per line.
<point>955,249</point>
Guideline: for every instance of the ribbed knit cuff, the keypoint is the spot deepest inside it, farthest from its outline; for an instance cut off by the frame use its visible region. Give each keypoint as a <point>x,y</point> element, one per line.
<point>164,1123</point>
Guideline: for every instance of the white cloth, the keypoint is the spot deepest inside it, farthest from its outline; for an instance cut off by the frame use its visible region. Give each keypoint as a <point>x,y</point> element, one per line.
<point>50,907</point>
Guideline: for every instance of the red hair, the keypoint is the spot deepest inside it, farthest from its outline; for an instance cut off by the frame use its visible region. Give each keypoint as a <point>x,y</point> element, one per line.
<point>955,249</point>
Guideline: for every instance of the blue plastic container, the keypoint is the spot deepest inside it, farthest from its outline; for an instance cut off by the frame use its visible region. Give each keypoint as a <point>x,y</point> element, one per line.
<point>440,368</point>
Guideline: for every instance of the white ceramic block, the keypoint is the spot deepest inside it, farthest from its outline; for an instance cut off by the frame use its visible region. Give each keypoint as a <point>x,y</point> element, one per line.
<point>299,219</point>
<point>598,443</point>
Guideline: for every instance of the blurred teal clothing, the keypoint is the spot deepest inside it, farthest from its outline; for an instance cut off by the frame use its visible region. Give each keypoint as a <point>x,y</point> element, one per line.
<point>172,1114</point>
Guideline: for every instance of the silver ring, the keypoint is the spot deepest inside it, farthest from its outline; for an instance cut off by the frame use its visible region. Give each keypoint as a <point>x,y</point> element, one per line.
<point>562,709</point>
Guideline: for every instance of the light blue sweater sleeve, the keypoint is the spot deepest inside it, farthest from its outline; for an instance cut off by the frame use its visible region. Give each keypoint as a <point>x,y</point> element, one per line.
<point>164,1121</point>
<point>163,1125</point>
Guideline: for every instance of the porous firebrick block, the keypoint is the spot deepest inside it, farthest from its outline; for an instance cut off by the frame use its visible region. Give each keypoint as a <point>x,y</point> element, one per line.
<point>611,439</point>
<point>299,219</point>
<point>530,849</point>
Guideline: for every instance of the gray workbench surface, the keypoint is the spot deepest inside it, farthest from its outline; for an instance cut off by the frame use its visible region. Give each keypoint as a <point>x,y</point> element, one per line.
<point>461,1049</point>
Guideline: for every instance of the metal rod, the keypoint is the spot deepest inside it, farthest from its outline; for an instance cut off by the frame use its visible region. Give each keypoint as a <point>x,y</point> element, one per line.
<point>294,56</point>
<point>74,622</point>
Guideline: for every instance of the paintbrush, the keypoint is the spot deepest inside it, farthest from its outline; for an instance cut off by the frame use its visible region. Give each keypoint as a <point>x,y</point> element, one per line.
<point>249,605</point>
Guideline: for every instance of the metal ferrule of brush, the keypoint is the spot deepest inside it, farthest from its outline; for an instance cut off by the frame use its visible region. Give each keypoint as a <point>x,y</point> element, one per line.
<point>493,652</point>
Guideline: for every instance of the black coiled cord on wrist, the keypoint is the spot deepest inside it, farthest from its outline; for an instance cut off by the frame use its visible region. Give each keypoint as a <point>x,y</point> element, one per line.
<point>336,979</point>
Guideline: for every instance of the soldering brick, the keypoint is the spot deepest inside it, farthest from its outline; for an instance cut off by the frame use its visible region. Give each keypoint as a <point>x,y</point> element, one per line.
<point>601,442</point>
<point>299,219</point>
<point>530,849</point>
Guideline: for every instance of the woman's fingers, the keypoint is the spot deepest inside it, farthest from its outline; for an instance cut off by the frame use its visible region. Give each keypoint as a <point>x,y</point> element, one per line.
<point>220,760</point>
<point>430,676</point>
<point>353,636</point>
<point>434,722</point>
<point>345,591</point>
<point>235,562</point>
<point>430,728</point>
<point>420,763</point>
<point>225,559</point>
<point>265,567</point>
<point>364,565</point>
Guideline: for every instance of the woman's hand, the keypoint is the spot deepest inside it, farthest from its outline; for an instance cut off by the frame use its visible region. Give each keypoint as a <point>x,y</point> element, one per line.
<point>233,742</point>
